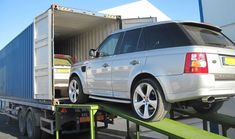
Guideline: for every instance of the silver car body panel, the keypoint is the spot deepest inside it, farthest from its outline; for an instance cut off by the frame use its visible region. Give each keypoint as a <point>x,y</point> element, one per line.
<point>99,76</point>
<point>178,86</point>
<point>124,68</point>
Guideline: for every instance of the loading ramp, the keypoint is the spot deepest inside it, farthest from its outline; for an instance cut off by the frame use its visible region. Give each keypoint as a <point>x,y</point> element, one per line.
<point>171,128</point>
<point>216,119</point>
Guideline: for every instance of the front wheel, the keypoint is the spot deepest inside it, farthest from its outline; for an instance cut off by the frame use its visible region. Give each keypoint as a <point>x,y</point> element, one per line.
<point>148,101</point>
<point>76,94</point>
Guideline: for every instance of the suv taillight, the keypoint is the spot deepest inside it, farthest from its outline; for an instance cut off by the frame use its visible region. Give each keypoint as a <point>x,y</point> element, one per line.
<point>196,62</point>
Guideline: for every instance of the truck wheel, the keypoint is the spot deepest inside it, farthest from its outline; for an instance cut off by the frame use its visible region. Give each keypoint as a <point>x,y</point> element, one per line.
<point>22,122</point>
<point>204,108</point>
<point>76,94</point>
<point>148,101</point>
<point>33,131</point>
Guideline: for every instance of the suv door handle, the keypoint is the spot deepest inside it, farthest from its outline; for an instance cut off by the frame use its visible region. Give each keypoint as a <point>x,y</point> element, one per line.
<point>105,65</point>
<point>134,62</point>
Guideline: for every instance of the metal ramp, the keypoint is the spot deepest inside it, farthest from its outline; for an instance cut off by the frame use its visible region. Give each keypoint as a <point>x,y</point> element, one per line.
<point>225,121</point>
<point>171,128</point>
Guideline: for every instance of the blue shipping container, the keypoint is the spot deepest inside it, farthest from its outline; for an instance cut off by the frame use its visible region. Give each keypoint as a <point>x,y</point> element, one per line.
<point>16,66</point>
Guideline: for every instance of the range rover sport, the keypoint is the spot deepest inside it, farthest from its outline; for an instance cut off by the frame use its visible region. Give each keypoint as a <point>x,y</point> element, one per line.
<point>154,66</point>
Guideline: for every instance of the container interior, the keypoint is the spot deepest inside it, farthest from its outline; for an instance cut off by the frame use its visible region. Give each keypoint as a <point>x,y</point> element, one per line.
<point>75,33</point>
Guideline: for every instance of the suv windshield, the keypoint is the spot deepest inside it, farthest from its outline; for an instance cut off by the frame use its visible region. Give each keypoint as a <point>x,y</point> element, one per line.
<point>208,37</point>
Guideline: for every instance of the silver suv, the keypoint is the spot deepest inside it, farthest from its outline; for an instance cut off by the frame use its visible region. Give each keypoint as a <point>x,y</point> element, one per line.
<point>154,66</point>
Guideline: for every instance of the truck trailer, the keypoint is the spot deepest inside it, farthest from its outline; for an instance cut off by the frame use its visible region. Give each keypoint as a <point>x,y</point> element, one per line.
<point>27,67</point>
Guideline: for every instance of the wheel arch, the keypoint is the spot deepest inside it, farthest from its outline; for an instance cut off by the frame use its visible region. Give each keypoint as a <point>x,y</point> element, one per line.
<point>74,75</point>
<point>146,75</point>
<point>81,79</point>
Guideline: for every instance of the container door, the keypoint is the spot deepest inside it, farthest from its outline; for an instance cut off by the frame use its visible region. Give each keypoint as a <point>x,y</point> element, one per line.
<point>126,23</point>
<point>43,56</point>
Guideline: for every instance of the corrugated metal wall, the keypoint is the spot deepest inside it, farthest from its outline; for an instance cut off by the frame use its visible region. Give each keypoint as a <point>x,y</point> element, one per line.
<point>79,45</point>
<point>16,66</point>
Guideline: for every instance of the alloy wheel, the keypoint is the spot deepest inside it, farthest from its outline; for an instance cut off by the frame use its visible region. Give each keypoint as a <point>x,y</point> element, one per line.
<point>145,100</point>
<point>73,91</point>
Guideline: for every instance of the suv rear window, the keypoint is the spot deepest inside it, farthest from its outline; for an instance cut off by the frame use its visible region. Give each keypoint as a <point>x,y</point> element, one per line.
<point>208,37</point>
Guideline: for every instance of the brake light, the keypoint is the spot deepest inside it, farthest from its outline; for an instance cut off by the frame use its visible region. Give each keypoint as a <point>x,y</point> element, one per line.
<point>196,63</point>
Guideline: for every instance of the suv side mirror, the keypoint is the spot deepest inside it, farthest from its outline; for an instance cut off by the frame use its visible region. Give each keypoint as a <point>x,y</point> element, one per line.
<point>93,53</point>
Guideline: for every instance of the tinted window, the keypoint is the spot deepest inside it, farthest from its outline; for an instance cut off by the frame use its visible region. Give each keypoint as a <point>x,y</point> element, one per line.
<point>130,40</point>
<point>107,48</point>
<point>162,36</point>
<point>204,36</point>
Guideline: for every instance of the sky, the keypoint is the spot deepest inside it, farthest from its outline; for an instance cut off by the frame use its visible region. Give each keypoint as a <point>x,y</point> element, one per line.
<point>16,15</point>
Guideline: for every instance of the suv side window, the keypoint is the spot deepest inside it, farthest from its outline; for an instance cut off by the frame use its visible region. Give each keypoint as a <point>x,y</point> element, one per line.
<point>130,40</point>
<point>154,37</point>
<point>162,36</point>
<point>108,46</point>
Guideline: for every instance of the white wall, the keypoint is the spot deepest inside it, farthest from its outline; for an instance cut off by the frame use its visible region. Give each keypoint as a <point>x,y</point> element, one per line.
<point>137,9</point>
<point>222,14</point>
<point>219,12</point>
<point>229,30</point>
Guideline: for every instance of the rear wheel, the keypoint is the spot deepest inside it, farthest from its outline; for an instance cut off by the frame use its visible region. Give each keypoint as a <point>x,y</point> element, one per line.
<point>22,121</point>
<point>33,131</point>
<point>76,94</point>
<point>204,108</point>
<point>148,101</point>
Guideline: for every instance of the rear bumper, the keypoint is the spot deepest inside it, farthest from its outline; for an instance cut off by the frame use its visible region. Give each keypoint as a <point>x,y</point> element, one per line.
<point>61,83</point>
<point>194,86</point>
<point>61,80</point>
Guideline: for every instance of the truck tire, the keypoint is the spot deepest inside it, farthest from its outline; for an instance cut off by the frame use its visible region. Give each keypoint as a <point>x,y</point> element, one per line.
<point>22,121</point>
<point>33,130</point>
<point>148,101</point>
<point>76,94</point>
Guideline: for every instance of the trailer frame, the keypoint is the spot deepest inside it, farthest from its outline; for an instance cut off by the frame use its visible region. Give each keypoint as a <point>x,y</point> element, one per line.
<point>173,129</point>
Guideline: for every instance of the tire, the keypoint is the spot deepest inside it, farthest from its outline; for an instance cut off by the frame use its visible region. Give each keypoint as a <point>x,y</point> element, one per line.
<point>149,105</point>
<point>76,94</point>
<point>22,122</point>
<point>33,131</point>
<point>204,108</point>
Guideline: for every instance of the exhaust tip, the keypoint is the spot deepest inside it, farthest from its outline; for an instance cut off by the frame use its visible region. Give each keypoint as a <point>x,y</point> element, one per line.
<point>208,99</point>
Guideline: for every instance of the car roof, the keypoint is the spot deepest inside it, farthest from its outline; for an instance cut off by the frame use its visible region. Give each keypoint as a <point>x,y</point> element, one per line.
<point>193,23</point>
